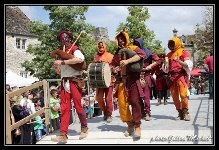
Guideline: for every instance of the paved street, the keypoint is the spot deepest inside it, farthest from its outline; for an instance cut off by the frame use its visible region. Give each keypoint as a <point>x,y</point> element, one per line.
<point>162,129</point>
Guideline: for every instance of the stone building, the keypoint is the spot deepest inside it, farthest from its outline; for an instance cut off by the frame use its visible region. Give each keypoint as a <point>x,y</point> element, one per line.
<point>188,44</point>
<point>101,33</point>
<point>17,39</point>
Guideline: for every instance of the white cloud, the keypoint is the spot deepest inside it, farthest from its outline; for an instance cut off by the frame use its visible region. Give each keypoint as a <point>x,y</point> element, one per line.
<point>117,10</point>
<point>107,16</point>
<point>165,18</point>
<point>162,21</point>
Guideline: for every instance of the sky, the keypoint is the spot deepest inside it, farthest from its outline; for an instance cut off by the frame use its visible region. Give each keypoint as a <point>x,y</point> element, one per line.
<point>163,19</point>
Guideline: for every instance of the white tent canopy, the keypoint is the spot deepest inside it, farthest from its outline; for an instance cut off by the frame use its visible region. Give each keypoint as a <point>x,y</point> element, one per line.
<point>15,80</point>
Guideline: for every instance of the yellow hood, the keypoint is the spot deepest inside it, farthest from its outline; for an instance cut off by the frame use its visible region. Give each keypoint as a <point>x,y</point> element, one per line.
<point>177,51</point>
<point>127,43</point>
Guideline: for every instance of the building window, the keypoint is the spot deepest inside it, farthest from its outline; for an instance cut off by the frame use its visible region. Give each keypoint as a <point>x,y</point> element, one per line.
<point>18,43</point>
<point>23,74</point>
<point>21,43</point>
<point>24,43</point>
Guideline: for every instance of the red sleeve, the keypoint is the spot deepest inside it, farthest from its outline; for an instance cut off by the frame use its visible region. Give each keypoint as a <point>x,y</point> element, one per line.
<point>185,54</point>
<point>140,52</point>
<point>156,59</point>
<point>73,49</point>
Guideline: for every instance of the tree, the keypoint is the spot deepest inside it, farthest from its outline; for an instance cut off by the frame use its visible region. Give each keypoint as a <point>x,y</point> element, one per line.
<point>62,17</point>
<point>135,23</point>
<point>204,36</point>
<point>204,39</point>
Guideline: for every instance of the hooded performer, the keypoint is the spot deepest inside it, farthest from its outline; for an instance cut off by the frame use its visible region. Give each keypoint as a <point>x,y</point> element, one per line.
<point>179,65</point>
<point>150,61</point>
<point>105,104</point>
<point>126,81</point>
<point>161,85</point>
<point>70,90</point>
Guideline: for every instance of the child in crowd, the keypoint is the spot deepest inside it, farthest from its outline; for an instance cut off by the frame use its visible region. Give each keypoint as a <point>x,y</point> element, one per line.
<point>37,104</point>
<point>54,109</point>
<point>38,127</point>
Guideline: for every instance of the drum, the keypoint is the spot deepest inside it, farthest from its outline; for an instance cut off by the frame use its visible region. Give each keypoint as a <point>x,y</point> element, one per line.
<point>99,75</point>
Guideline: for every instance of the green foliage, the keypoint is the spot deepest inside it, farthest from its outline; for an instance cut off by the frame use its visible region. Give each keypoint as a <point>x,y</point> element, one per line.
<point>89,49</point>
<point>204,44</point>
<point>204,37</point>
<point>135,22</point>
<point>61,17</point>
<point>111,46</point>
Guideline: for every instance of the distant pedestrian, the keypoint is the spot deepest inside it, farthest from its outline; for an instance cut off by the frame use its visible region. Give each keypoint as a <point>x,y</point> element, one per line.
<point>209,64</point>
<point>161,85</point>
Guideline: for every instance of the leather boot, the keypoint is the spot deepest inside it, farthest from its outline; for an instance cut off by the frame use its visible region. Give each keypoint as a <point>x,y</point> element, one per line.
<point>62,138</point>
<point>109,119</point>
<point>130,129</point>
<point>84,133</point>
<point>180,115</point>
<point>137,133</point>
<point>185,114</point>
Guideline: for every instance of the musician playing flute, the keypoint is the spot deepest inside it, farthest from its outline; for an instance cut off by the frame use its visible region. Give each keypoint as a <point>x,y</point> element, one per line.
<point>104,95</point>
<point>69,89</point>
<point>127,89</point>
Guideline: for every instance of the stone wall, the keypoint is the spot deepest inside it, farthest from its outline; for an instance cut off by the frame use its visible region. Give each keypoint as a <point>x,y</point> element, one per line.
<point>15,56</point>
<point>17,26</point>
